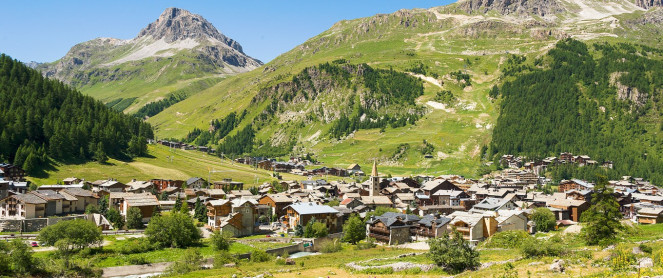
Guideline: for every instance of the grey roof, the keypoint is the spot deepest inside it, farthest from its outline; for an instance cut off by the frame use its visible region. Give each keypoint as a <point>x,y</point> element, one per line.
<point>29,198</point>
<point>192,180</point>
<point>312,208</point>
<point>405,217</point>
<point>80,192</point>
<point>140,200</point>
<point>491,203</point>
<point>428,219</point>
<point>48,195</point>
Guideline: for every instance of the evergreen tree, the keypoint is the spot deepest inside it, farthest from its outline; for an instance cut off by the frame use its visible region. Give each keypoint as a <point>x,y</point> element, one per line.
<point>354,230</point>
<point>178,204</point>
<point>602,218</point>
<point>99,154</point>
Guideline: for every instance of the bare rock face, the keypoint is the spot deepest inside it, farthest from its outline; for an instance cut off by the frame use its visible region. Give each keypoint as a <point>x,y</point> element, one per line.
<point>557,266</point>
<point>627,93</point>
<point>648,4</point>
<point>513,7</point>
<point>176,24</point>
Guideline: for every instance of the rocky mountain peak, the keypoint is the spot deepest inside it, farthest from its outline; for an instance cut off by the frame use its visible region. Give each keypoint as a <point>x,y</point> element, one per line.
<point>176,24</point>
<point>512,7</point>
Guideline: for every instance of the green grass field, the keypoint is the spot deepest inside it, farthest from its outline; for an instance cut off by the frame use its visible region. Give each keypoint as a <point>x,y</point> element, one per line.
<point>183,165</point>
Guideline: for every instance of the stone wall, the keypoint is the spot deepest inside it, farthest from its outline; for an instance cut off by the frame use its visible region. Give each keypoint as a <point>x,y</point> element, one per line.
<point>34,224</point>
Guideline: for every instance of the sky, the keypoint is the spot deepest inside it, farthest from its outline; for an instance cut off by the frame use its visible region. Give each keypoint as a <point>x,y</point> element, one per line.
<point>44,31</point>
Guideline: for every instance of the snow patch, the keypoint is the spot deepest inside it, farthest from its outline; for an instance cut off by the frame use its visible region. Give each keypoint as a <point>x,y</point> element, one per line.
<point>158,48</point>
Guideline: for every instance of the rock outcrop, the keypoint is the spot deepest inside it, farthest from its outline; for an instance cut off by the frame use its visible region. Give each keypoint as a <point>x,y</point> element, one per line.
<point>513,7</point>
<point>648,4</point>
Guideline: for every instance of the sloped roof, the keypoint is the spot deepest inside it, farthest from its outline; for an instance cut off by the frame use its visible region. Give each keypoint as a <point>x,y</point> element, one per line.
<point>48,195</point>
<point>377,200</point>
<point>79,192</point>
<point>141,200</point>
<point>428,219</point>
<point>217,203</point>
<point>29,198</point>
<point>192,180</point>
<point>312,208</point>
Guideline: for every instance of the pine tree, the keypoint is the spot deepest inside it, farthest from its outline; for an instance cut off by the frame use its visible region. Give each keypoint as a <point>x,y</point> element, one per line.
<point>100,155</point>
<point>603,216</point>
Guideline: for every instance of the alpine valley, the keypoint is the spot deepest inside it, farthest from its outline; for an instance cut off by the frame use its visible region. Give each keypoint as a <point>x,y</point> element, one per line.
<point>440,90</point>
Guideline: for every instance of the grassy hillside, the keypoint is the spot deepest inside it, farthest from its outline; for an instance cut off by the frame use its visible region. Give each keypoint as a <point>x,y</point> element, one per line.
<point>451,50</point>
<point>184,164</point>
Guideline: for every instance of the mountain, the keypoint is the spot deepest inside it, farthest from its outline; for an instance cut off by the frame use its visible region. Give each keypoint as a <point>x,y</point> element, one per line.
<point>170,53</point>
<point>413,90</point>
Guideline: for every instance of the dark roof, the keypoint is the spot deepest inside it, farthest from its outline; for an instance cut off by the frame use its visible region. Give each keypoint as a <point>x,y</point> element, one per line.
<point>428,219</point>
<point>48,195</point>
<point>405,217</point>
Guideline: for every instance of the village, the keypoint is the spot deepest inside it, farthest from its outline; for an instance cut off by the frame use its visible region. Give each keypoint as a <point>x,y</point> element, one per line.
<point>414,208</point>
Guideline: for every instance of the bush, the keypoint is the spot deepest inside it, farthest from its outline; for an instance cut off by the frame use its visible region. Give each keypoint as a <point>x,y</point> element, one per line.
<point>136,246</point>
<point>280,261</point>
<point>368,244</point>
<point>453,253</point>
<point>534,248</point>
<point>220,241</point>
<point>645,248</point>
<point>224,257</point>
<point>190,262</point>
<point>331,246</point>
<point>622,258</point>
<point>507,239</point>
<point>173,230</point>
<point>260,256</point>
<point>544,219</point>
<point>138,260</point>
<point>658,257</point>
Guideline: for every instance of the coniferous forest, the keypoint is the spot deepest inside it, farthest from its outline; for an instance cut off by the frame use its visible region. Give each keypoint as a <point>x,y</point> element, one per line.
<point>42,119</point>
<point>602,100</point>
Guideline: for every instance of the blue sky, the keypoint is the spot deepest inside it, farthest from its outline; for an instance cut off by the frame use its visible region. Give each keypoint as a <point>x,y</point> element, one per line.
<point>43,31</point>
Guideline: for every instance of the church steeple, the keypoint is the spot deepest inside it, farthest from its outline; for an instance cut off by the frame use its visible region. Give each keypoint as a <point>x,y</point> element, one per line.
<point>375,181</point>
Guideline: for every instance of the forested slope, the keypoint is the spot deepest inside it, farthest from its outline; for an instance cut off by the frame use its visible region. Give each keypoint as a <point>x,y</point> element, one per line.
<point>603,100</point>
<point>41,118</point>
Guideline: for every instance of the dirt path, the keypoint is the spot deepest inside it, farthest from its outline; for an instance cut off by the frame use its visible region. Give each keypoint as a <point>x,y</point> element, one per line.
<point>135,269</point>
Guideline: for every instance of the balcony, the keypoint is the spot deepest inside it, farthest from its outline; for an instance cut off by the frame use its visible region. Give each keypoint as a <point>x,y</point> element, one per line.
<point>462,229</point>
<point>379,237</point>
<point>378,230</point>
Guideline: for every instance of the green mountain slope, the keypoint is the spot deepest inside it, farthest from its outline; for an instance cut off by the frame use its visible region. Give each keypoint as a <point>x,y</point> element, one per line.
<point>602,100</point>
<point>42,118</point>
<point>456,49</point>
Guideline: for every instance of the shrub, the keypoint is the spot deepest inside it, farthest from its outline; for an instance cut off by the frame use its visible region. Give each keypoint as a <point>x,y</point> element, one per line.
<point>135,246</point>
<point>453,253</point>
<point>507,239</point>
<point>368,244</point>
<point>645,248</point>
<point>138,260</point>
<point>533,248</point>
<point>259,256</point>
<point>280,261</point>
<point>622,258</point>
<point>378,271</point>
<point>331,246</point>
<point>658,257</point>
<point>190,261</point>
<point>222,258</point>
<point>220,241</point>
